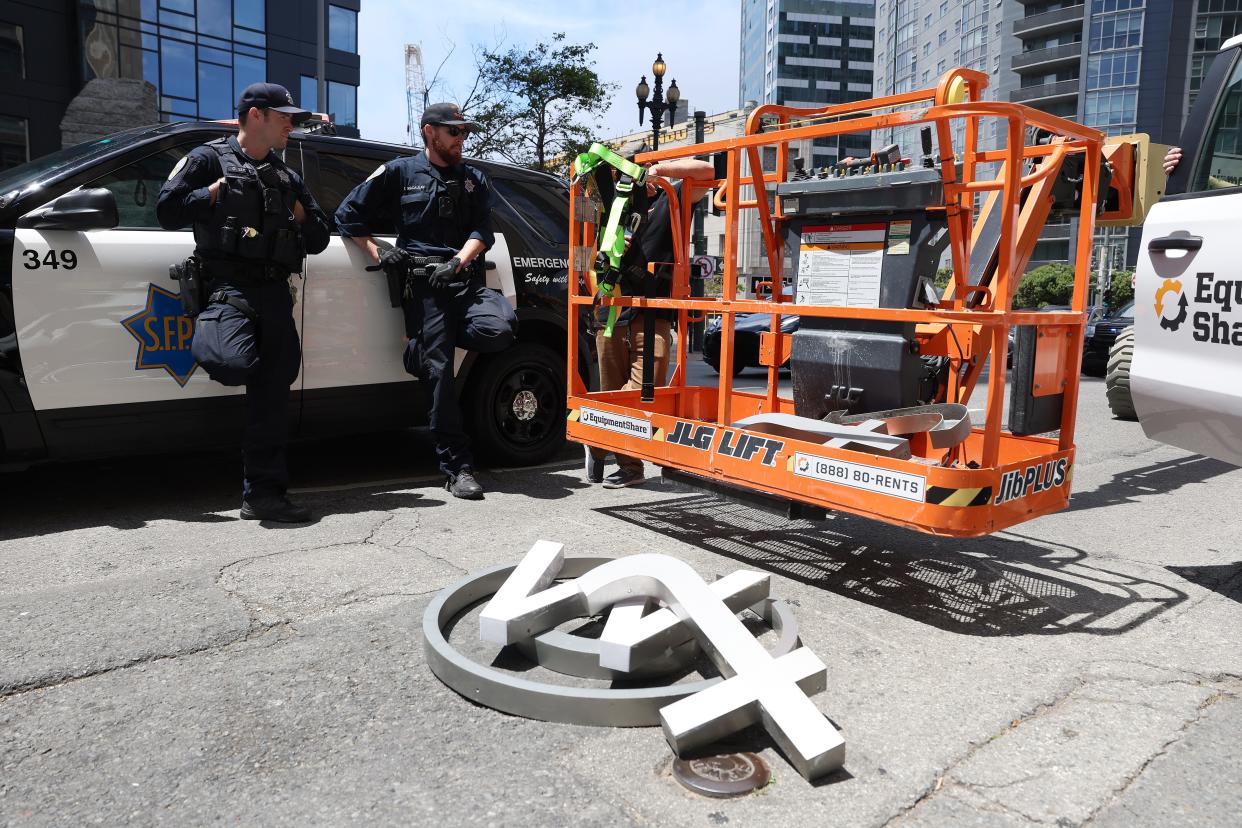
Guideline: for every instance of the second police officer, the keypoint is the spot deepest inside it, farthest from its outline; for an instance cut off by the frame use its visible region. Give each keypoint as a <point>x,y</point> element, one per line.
<point>442,212</point>
<point>254,222</point>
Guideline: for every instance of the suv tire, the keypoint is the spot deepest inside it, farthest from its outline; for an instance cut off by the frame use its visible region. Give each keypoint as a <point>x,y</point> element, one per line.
<point>714,363</point>
<point>516,405</point>
<point>1117,377</point>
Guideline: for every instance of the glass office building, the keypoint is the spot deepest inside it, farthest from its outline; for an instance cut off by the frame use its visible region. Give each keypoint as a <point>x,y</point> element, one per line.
<point>917,41</point>
<point>199,54</point>
<point>1121,66</point>
<point>808,53</point>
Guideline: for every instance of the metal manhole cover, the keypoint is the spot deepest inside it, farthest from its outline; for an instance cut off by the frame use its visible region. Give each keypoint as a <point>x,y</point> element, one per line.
<point>729,774</point>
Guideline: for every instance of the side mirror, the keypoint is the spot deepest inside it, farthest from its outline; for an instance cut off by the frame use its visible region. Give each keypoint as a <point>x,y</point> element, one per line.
<point>92,209</point>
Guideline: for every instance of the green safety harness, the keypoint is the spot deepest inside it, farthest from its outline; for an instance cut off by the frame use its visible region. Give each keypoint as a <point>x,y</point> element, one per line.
<point>607,270</point>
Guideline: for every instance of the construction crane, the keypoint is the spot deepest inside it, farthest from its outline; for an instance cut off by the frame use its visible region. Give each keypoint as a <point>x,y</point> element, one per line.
<point>415,91</point>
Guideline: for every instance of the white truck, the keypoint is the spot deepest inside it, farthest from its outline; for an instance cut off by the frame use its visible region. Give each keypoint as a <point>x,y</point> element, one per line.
<point>1178,370</point>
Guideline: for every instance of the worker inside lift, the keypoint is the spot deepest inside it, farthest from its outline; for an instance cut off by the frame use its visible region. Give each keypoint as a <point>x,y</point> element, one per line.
<point>615,189</point>
<point>634,346</point>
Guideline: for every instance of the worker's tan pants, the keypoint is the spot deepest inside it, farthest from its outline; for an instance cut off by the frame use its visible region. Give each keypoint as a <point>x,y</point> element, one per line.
<point>621,367</point>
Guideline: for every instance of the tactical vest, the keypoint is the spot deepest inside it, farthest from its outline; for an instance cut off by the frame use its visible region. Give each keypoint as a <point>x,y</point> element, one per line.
<point>253,216</point>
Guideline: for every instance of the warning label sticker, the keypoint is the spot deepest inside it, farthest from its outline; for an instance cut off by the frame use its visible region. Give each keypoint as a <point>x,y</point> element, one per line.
<point>899,238</point>
<point>857,476</point>
<point>840,264</point>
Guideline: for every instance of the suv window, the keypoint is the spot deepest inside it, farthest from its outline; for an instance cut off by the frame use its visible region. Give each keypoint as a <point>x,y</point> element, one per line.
<point>136,186</point>
<point>340,173</point>
<point>545,209</point>
<point>1221,163</point>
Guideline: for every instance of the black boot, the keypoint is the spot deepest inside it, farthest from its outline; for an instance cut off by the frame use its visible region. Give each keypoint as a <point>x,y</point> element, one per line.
<point>464,485</point>
<point>274,507</point>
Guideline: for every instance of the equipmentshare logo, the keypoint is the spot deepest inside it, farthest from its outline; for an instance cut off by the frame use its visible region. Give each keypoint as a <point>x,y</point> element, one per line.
<point>1214,301</point>
<point>620,423</point>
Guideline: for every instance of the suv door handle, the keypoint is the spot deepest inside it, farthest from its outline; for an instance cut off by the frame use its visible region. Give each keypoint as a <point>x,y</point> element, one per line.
<point>1164,243</point>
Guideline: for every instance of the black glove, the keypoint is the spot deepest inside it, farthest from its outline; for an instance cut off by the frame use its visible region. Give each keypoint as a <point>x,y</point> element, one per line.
<point>444,274</point>
<point>394,257</point>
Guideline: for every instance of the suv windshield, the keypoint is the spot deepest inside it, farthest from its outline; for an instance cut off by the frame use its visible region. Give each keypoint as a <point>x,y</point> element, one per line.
<point>20,176</point>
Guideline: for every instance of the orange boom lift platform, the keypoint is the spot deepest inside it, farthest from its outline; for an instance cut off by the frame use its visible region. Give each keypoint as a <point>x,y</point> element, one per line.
<point>884,366</point>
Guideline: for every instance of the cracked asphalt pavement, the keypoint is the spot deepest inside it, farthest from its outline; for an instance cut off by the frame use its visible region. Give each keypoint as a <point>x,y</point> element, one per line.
<point>166,663</point>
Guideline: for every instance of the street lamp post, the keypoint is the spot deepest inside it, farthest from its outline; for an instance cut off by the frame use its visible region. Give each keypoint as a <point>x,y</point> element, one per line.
<point>657,105</point>
<point>695,340</point>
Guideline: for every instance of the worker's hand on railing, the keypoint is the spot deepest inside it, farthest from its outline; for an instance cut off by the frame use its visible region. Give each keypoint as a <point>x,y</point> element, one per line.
<point>652,183</point>
<point>1171,159</point>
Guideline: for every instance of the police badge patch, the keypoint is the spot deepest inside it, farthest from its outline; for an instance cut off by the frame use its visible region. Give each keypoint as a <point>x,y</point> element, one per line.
<point>470,185</point>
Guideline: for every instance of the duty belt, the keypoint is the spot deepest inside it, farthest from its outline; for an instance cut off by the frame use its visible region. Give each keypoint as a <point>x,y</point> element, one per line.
<point>423,265</point>
<point>231,269</point>
<point>223,297</point>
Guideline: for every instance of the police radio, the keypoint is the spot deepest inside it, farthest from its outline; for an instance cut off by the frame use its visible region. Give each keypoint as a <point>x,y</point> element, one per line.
<point>193,287</point>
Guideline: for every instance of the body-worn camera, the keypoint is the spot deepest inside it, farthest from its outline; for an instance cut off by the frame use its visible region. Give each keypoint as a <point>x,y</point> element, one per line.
<point>446,204</point>
<point>446,207</point>
<point>228,234</point>
<point>273,202</point>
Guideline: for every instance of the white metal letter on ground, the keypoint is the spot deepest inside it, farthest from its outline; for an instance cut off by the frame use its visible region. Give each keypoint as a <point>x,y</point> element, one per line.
<point>527,604</point>
<point>757,688</point>
<point>633,637</point>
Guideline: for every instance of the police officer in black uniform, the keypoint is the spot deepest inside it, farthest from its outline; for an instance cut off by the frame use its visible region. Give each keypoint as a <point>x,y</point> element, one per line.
<point>442,211</point>
<point>254,222</point>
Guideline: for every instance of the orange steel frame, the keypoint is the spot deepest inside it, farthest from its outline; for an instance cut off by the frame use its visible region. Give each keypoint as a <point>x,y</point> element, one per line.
<point>968,490</point>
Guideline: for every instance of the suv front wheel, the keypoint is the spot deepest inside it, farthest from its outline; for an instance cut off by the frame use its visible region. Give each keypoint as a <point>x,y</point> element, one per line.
<point>1117,377</point>
<point>516,401</point>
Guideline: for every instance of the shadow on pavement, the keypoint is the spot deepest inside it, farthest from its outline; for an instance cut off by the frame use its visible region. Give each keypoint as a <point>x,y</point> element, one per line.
<point>194,487</point>
<point>541,484</point>
<point>1225,579</point>
<point>1157,478</point>
<point>1001,585</point>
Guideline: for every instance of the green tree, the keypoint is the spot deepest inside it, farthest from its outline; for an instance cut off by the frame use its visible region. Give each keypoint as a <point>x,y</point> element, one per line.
<point>538,107</point>
<point>1050,284</point>
<point>1121,289</point>
<point>943,276</point>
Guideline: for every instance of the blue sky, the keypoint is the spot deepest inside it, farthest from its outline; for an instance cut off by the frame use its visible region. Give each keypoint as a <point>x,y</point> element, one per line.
<point>699,40</point>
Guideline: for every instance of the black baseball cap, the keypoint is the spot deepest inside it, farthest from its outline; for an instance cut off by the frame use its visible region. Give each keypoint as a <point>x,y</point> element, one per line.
<point>270,96</point>
<point>447,114</point>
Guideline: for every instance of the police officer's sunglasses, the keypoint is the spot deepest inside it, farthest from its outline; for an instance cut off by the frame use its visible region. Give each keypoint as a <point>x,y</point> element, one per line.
<point>452,130</point>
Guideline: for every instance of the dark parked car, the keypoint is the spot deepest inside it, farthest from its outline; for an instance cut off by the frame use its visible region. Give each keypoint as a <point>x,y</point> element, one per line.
<point>1099,337</point>
<point>747,328</point>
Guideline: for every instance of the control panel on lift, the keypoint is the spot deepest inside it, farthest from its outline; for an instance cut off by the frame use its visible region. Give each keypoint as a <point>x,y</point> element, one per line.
<point>860,234</point>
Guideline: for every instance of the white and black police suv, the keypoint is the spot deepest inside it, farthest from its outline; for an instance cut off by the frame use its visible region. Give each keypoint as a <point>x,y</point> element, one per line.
<point>95,354</point>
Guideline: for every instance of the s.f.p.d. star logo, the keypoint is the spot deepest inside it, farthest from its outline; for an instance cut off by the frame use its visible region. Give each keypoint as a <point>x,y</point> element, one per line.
<point>163,335</point>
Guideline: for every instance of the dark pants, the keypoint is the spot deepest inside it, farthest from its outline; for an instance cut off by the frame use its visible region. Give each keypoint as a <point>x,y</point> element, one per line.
<point>470,316</point>
<point>265,357</point>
